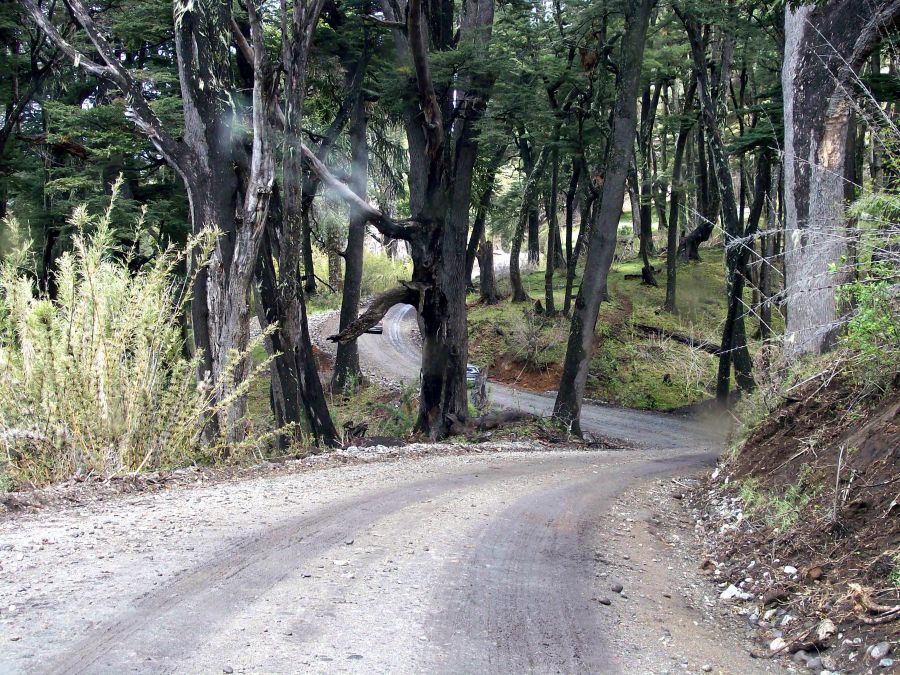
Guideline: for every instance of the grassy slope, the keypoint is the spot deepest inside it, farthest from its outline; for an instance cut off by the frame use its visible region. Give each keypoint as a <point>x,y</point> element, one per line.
<point>628,368</point>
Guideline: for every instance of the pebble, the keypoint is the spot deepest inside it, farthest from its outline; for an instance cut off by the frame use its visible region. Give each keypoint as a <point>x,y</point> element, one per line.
<point>706,668</point>
<point>790,570</point>
<point>880,650</point>
<point>604,601</point>
<point>886,663</point>
<point>227,669</point>
<point>777,644</point>
<point>616,587</point>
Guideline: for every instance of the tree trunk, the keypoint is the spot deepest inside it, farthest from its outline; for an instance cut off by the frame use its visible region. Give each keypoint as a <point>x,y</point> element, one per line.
<point>684,131</point>
<point>824,46</point>
<point>528,200</point>
<point>297,30</point>
<point>567,408</point>
<point>484,203</point>
<point>733,334</point>
<point>552,235</point>
<point>533,220</point>
<point>346,363</point>
<point>768,260</point>
<point>486,280</point>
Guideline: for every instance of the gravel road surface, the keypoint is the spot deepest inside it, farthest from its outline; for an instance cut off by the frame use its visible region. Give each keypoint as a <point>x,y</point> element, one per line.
<point>468,563</point>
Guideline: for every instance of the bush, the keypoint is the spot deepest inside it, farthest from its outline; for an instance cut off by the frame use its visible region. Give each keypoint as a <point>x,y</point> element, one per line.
<point>95,380</point>
<point>873,331</point>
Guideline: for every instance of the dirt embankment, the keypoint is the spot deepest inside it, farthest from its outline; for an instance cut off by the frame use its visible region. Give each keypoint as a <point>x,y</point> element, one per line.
<point>804,529</point>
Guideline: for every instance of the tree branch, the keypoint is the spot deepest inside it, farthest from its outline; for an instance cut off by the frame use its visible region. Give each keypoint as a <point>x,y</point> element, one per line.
<point>405,294</point>
<point>374,215</point>
<point>138,109</point>
<point>431,109</point>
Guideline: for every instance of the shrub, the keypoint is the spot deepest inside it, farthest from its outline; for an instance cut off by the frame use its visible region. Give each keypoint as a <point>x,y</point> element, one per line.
<point>95,380</point>
<point>873,331</point>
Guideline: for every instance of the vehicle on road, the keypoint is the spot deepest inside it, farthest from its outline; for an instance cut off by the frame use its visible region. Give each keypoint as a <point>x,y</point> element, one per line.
<point>378,328</point>
<point>472,373</point>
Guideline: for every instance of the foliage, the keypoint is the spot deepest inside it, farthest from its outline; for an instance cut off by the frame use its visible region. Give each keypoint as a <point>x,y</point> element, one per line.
<point>778,511</point>
<point>96,380</point>
<point>873,332</point>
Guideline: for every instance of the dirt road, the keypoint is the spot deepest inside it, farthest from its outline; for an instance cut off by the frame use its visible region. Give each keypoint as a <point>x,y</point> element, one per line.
<point>396,354</point>
<point>488,559</point>
<point>475,563</point>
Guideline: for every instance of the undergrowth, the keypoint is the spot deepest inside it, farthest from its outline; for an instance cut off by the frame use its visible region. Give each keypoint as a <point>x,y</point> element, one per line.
<point>95,380</point>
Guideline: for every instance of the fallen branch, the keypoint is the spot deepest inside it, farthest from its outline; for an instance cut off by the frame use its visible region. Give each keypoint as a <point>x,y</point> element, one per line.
<point>863,598</point>
<point>702,345</point>
<point>487,422</point>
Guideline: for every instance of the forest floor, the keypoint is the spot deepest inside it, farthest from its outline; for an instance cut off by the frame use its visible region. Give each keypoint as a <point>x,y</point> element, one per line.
<point>637,364</point>
<point>802,526</point>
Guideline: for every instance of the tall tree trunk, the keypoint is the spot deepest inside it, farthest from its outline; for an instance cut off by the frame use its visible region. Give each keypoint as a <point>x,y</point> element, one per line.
<point>533,220</point>
<point>684,130</point>
<point>567,408</point>
<point>571,195</point>
<point>346,363</point>
<point>825,45</point>
<point>529,196</point>
<point>733,334</point>
<point>767,266</point>
<point>297,30</point>
<point>552,234</point>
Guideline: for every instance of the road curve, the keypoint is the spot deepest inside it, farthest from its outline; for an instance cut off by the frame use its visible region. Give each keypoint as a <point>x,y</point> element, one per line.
<point>395,353</point>
<point>450,564</point>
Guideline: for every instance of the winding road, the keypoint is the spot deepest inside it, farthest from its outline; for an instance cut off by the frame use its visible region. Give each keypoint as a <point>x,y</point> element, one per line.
<point>464,560</point>
<point>396,354</point>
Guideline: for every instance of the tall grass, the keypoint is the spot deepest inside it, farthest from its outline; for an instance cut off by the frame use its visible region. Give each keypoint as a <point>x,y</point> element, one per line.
<point>95,380</point>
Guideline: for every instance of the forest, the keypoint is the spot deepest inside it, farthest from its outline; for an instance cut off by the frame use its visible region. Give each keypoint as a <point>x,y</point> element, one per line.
<point>183,185</point>
<point>450,336</point>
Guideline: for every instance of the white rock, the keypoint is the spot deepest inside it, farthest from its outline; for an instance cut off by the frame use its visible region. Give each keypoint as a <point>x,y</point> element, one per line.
<point>880,650</point>
<point>734,593</point>
<point>790,570</point>
<point>777,645</point>
<point>825,630</point>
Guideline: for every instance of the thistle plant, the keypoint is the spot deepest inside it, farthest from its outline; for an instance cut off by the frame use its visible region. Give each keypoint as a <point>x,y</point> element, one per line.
<point>96,380</point>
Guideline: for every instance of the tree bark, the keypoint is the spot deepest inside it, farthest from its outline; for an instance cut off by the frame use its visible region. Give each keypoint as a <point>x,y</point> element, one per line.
<point>684,130</point>
<point>825,45</point>
<point>733,334</point>
<point>346,363</point>
<point>567,408</point>
<point>552,234</point>
<point>486,280</point>
<point>528,199</point>
<point>533,221</point>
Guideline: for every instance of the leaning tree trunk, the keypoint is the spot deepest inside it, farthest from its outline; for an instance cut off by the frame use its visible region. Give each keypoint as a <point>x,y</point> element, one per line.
<point>825,45</point>
<point>601,250</point>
